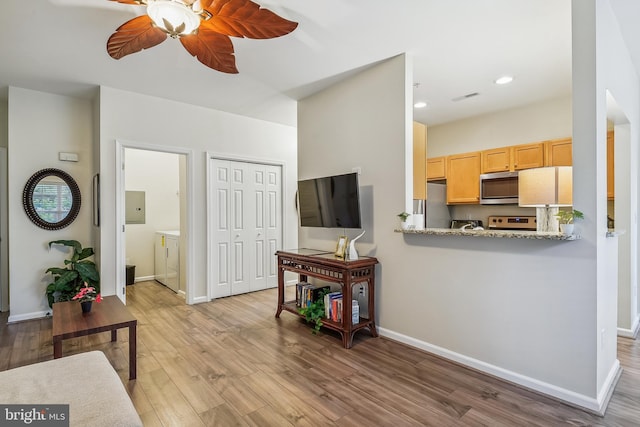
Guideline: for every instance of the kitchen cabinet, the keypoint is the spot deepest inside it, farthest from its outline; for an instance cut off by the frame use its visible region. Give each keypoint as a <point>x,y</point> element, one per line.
<point>558,152</point>
<point>527,156</point>
<point>167,259</point>
<point>463,178</point>
<point>512,158</point>
<point>419,161</point>
<point>610,167</point>
<point>496,160</point>
<point>436,168</point>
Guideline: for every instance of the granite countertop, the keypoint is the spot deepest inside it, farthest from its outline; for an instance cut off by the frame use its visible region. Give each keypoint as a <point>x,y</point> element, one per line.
<point>496,234</point>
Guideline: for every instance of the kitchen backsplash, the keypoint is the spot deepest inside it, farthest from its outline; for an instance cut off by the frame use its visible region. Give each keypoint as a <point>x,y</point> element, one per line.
<point>482,212</point>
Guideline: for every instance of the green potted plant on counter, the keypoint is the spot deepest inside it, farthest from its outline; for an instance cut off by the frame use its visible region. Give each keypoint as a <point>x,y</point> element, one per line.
<point>566,219</point>
<point>403,220</point>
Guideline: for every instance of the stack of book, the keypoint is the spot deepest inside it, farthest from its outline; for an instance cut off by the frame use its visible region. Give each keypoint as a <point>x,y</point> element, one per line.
<point>333,306</point>
<point>307,293</point>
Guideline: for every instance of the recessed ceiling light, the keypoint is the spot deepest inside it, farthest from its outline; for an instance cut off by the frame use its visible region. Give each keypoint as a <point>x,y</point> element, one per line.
<point>503,80</point>
<point>420,104</point>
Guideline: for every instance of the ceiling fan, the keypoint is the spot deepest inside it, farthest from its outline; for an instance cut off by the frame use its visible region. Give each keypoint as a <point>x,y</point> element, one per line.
<point>203,27</point>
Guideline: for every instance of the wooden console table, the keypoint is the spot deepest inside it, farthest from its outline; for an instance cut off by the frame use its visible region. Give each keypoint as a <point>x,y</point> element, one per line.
<point>325,266</point>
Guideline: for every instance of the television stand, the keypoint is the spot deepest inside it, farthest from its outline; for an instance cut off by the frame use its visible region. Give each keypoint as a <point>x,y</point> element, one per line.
<point>325,266</point>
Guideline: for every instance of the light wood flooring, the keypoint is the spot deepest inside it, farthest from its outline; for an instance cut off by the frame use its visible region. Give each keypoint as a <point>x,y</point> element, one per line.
<point>230,362</point>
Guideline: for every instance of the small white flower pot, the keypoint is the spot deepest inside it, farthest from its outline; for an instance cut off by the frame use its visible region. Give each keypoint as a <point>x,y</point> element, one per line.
<point>566,229</point>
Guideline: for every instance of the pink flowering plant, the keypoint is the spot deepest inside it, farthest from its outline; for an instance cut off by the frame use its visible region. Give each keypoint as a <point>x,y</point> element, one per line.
<point>87,293</point>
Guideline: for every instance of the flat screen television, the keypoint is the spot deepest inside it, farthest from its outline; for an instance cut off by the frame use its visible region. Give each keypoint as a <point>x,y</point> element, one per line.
<point>331,202</point>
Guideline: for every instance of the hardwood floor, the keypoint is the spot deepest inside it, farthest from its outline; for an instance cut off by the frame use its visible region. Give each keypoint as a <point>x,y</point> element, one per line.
<point>230,362</point>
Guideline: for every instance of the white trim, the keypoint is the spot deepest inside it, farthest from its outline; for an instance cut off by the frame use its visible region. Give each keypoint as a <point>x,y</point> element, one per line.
<point>4,232</point>
<point>144,278</point>
<point>209,232</point>
<point>597,406</point>
<point>120,146</point>
<point>630,333</point>
<point>210,155</point>
<point>199,300</point>
<point>28,316</point>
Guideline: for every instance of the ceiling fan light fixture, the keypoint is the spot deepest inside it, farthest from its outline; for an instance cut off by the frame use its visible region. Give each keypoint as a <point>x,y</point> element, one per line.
<point>175,17</point>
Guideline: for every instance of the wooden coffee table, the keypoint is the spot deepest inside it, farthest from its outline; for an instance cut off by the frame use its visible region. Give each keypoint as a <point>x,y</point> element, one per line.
<point>109,315</point>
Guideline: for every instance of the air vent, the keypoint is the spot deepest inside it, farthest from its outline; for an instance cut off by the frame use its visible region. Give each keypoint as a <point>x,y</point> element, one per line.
<point>467,96</point>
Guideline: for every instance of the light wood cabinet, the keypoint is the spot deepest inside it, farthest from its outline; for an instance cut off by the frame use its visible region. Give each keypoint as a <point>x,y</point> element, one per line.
<point>463,178</point>
<point>436,168</point>
<point>419,161</point>
<point>558,152</point>
<point>610,167</point>
<point>496,160</point>
<point>527,156</point>
<point>513,158</point>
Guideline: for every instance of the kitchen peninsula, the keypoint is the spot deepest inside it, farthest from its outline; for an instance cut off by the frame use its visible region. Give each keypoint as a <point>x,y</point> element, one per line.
<point>499,234</point>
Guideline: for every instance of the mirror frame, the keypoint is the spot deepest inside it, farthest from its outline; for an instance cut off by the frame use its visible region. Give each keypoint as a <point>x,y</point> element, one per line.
<point>27,199</point>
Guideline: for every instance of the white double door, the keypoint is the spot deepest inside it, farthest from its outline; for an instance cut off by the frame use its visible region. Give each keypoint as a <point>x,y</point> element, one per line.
<point>246,221</point>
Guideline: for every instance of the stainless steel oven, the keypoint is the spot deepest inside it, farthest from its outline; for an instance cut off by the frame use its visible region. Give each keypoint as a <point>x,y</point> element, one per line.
<point>500,188</point>
<point>512,223</point>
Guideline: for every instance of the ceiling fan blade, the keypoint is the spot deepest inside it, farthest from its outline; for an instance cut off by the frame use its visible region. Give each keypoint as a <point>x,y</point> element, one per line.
<point>133,36</point>
<point>244,18</point>
<point>212,49</point>
<point>134,2</point>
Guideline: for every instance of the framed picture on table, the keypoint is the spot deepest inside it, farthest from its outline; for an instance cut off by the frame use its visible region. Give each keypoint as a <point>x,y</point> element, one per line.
<point>341,247</point>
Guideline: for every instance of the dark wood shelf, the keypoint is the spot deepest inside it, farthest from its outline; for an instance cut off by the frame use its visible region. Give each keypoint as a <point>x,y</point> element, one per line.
<point>326,267</point>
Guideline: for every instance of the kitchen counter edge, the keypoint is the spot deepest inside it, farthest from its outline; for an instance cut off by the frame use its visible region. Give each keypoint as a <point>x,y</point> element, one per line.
<point>496,234</point>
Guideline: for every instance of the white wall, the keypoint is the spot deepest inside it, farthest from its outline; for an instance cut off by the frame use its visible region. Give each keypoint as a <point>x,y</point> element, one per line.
<point>536,122</point>
<point>4,135</point>
<point>40,126</point>
<point>158,175</point>
<point>148,120</point>
<point>614,72</point>
<point>524,310</point>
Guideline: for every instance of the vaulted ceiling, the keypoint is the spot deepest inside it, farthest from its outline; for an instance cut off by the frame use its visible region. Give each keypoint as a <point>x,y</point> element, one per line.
<point>457,47</point>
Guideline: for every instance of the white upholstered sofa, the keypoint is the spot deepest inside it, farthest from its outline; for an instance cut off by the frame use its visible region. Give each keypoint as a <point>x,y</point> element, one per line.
<point>85,381</point>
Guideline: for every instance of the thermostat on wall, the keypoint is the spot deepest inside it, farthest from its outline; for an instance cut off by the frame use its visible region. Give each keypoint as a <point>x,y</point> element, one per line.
<point>68,157</point>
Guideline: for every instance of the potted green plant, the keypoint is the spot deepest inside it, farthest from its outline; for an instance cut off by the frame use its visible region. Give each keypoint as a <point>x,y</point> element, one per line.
<point>68,281</point>
<point>403,219</point>
<point>314,312</point>
<point>566,219</point>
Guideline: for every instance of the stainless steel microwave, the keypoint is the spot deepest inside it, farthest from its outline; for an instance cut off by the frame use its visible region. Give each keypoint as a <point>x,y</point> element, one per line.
<point>500,188</point>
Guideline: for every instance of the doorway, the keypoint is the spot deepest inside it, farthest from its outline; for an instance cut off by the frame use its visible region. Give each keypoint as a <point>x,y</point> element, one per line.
<point>621,211</point>
<point>245,222</point>
<point>153,203</point>
<point>160,180</point>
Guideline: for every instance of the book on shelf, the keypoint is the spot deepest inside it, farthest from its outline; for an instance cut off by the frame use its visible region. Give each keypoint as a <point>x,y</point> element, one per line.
<point>334,305</point>
<point>307,293</point>
<point>328,301</point>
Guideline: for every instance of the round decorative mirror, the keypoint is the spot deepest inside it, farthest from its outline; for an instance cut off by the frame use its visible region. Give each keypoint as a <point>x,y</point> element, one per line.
<point>51,199</point>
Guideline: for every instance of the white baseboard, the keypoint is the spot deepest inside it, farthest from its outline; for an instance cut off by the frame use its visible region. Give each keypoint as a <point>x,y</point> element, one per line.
<point>199,300</point>
<point>144,278</point>
<point>28,316</point>
<point>630,333</point>
<point>591,404</point>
